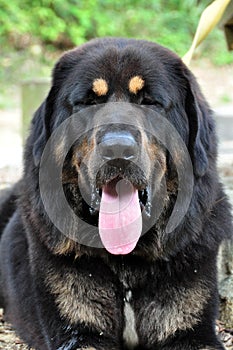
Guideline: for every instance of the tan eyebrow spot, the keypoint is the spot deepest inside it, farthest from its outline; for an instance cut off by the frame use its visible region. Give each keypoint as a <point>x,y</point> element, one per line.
<point>136,84</point>
<point>100,87</point>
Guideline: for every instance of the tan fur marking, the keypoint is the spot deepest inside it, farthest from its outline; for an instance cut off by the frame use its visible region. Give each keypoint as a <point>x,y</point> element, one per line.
<point>152,153</point>
<point>66,247</point>
<point>77,298</point>
<point>100,87</point>
<point>180,311</point>
<point>172,186</point>
<point>136,84</point>
<point>155,153</point>
<point>59,151</point>
<point>82,152</point>
<point>68,302</point>
<point>69,176</point>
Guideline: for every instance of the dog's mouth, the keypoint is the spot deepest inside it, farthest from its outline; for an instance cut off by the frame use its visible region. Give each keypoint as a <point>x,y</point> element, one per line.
<point>143,195</point>
<point>119,205</point>
<point>118,201</point>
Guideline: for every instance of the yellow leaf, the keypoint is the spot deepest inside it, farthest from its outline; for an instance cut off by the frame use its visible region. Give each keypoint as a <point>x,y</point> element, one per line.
<point>209,18</point>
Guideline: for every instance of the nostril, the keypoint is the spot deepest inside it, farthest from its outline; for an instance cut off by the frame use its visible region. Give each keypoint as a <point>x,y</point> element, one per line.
<point>107,153</point>
<point>129,153</point>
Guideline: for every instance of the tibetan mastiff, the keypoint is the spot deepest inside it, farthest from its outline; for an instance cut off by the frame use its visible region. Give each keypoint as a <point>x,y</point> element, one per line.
<point>121,255</point>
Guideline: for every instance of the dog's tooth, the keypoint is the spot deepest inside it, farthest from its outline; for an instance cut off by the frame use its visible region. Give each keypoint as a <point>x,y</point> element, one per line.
<point>93,211</point>
<point>141,205</point>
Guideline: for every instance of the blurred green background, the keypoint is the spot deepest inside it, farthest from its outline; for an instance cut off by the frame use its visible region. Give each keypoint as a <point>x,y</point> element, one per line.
<point>33,33</point>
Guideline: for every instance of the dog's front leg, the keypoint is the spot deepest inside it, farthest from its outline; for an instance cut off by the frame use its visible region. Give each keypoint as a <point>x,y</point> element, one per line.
<point>79,304</point>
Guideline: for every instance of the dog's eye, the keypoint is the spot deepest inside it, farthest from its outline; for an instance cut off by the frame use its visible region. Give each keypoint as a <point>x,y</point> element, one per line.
<point>83,103</point>
<point>89,101</point>
<point>148,100</point>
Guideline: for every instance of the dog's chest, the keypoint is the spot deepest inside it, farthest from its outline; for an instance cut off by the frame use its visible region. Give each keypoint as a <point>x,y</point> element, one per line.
<point>130,279</point>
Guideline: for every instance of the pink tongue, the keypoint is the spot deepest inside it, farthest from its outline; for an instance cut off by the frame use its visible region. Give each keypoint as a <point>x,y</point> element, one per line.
<point>120,219</point>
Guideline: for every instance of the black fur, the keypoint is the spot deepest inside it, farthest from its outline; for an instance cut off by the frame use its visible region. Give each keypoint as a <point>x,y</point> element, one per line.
<point>59,294</point>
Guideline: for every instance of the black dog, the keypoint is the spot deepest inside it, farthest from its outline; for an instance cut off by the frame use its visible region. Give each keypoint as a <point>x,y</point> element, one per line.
<point>143,275</point>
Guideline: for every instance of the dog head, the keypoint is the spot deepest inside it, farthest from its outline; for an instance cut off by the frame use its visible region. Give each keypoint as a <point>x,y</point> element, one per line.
<point>118,91</point>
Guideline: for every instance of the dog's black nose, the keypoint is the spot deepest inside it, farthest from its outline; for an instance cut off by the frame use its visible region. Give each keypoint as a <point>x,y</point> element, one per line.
<point>119,144</point>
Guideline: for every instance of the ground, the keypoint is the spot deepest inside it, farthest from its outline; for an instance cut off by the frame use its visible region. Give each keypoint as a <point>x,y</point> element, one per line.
<point>10,341</point>
<point>217,85</point>
<point>8,338</point>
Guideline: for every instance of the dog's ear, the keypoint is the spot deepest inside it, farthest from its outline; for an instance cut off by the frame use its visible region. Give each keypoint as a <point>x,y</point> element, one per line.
<point>201,126</point>
<point>43,117</point>
<point>41,127</point>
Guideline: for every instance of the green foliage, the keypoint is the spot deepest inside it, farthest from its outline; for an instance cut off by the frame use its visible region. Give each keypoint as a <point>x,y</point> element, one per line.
<point>216,47</point>
<point>66,23</point>
<point>33,31</point>
<point>72,22</point>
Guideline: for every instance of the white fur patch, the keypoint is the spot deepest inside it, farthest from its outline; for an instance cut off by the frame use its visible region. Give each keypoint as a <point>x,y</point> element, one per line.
<point>130,334</point>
